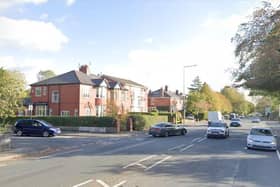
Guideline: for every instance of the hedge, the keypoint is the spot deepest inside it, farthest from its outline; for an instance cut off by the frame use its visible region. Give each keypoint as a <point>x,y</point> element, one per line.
<point>144,121</point>
<point>85,121</point>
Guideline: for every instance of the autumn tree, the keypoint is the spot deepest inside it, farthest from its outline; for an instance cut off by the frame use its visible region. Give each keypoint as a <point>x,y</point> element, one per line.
<point>196,84</point>
<point>42,75</point>
<point>12,90</point>
<point>257,50</point>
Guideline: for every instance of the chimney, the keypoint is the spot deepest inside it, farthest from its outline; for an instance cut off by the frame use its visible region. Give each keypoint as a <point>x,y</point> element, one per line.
<point>166,88</point>
<point>177,92</point>
<point>84,69</point>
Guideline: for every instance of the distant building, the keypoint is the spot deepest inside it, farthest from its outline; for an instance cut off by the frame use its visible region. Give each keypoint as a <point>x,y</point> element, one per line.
<point>80,93</point>
<point>165,100</point>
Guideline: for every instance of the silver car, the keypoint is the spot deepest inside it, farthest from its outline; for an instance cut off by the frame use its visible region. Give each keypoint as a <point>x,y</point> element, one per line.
<point>261,138</point>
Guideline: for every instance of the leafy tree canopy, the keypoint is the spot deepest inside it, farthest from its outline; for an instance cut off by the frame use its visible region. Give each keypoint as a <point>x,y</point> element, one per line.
<point>42,75</point>
<point>196,84</point>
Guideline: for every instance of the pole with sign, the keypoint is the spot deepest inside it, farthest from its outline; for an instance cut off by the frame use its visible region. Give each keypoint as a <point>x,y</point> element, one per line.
<point>30,109</point>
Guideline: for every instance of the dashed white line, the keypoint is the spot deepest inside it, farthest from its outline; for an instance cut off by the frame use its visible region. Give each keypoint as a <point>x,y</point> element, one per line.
<point>158,162</point>
<point>176,147</point>
<point>57,154</point>
<point>138,162</point>
<point>189,146</point>
<point>201,140</point>
<point>121,183</point>
<point>3,165</point>
<point>83,183</point>
<point>195,139</point>
<point>278,154</point>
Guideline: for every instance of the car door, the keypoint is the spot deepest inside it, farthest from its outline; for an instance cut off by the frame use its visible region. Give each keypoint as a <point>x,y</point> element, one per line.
<point>27,127</point>
<point>170,129</point>
<point>38,128</point>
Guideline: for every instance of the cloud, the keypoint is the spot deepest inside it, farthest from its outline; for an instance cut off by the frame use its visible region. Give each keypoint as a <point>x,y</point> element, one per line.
<point>9,3</point>
<point>70,2</point>
<point>148,40</point>
<point>44,16</point>
<point>28,34</point>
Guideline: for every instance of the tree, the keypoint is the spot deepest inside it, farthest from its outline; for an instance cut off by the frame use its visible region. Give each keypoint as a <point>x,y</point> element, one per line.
<point>42,75</point>
<point>257,49</point>
<point>12,90</point>
<point>196,84</point>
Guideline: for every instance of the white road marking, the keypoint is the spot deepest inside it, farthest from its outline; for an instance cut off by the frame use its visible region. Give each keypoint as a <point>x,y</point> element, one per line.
<point>189,146</point>
<point>121,183</point>
<point>102,183</point>
<point>62,153</point>
<point>139,161</point>
<point>176,147</point>
<point>106,185</point>
<point>195,139</point>
<point>83,183</point>
<point>157,163</point>
<point>127,147</point>
<point>278,154</point>
<point>201,140</point>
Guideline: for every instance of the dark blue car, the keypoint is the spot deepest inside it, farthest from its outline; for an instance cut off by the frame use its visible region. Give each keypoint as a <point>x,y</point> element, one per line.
<point>35,127</point>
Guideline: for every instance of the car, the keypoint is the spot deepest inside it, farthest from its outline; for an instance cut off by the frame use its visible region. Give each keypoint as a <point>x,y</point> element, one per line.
<point>35,127</point>
<point>235,122</point>
<point>190,117</point>
<point>217,129</point>
<point>256,120</point>
<point>167,129</point>
<point>261,138</point>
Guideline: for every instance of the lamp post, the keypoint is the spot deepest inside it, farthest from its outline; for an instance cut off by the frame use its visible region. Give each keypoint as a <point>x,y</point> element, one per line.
<point>184,92</point>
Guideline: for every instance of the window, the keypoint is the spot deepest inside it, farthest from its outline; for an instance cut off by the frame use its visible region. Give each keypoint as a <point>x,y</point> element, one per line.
<point>45,91</point>
<point>85,91</point>
<point>65,113</point>
<point>55,97</point>
<point>38,91</point>
<point>41,110</point>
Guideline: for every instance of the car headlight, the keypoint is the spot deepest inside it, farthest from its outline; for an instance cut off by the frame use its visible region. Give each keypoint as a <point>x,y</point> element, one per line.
<point>273,142</point>
<point>249,140</point>
<point>53,129</point>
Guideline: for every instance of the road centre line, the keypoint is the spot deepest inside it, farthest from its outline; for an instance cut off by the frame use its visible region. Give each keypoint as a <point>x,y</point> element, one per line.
<point>158,162</point>
<point>189,146</point>
<point>139,161</point>
<point>201,140</point>
<point>83,183</point>
<point>120,184</point>
<point>127,147</point>
<point>57,154</point>
<point>278,154</point>
<point>176,147</point>
<point>195,139</point>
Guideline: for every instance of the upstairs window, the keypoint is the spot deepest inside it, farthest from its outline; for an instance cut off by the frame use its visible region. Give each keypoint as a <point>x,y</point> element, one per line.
<point>38,91</point>
<point>55,97</point>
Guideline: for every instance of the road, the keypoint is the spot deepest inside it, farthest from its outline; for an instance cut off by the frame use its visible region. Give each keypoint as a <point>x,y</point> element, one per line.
<point>141,161</point>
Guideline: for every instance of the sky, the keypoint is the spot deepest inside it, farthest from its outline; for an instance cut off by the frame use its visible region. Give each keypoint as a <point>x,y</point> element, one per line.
<point>147,41</point>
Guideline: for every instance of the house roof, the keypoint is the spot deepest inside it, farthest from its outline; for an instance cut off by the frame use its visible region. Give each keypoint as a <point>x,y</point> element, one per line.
<point>121,80</point>
<point>163,93</point>
<point>71,77</point>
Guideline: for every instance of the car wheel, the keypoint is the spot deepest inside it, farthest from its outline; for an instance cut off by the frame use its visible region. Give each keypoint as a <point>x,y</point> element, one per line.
<point>46,134</point>
<point>166,134</point>
<point>183,132</point>
<point>154,135</point>
<point>19,133</point>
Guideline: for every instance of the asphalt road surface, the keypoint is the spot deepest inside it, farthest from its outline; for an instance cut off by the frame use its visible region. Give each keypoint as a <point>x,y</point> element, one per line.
<point>144,161</point>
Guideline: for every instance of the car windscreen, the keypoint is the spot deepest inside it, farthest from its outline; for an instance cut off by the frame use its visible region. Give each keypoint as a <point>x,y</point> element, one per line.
<point>216,125</point>
<point>235,119</point>
<point>261,132</point>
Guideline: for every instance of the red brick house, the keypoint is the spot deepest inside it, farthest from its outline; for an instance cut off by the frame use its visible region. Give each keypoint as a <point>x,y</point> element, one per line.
<point>165,100</point>
<point>79,93</point>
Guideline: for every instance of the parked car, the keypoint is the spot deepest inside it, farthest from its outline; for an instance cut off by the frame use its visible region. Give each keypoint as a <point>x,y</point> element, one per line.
<point>256,120</point>
<point>190,117</point>
<point>217,129</point>
<point>235,122</point>
<point>35,127</point>
<point>261,138</point>
<point>167,129</point>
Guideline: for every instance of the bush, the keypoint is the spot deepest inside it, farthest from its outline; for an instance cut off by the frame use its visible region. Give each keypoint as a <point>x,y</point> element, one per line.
<point>143,122</point>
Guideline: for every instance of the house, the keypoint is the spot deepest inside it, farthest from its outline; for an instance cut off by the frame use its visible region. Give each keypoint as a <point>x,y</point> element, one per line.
<point>80,93</point>
<point>165,100</point>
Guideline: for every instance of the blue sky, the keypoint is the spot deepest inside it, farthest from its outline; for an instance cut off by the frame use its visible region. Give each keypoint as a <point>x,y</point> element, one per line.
<point>148,41</point>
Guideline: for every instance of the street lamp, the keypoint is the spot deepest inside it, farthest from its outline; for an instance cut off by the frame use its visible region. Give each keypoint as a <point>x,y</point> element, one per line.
<point>184,92</point>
